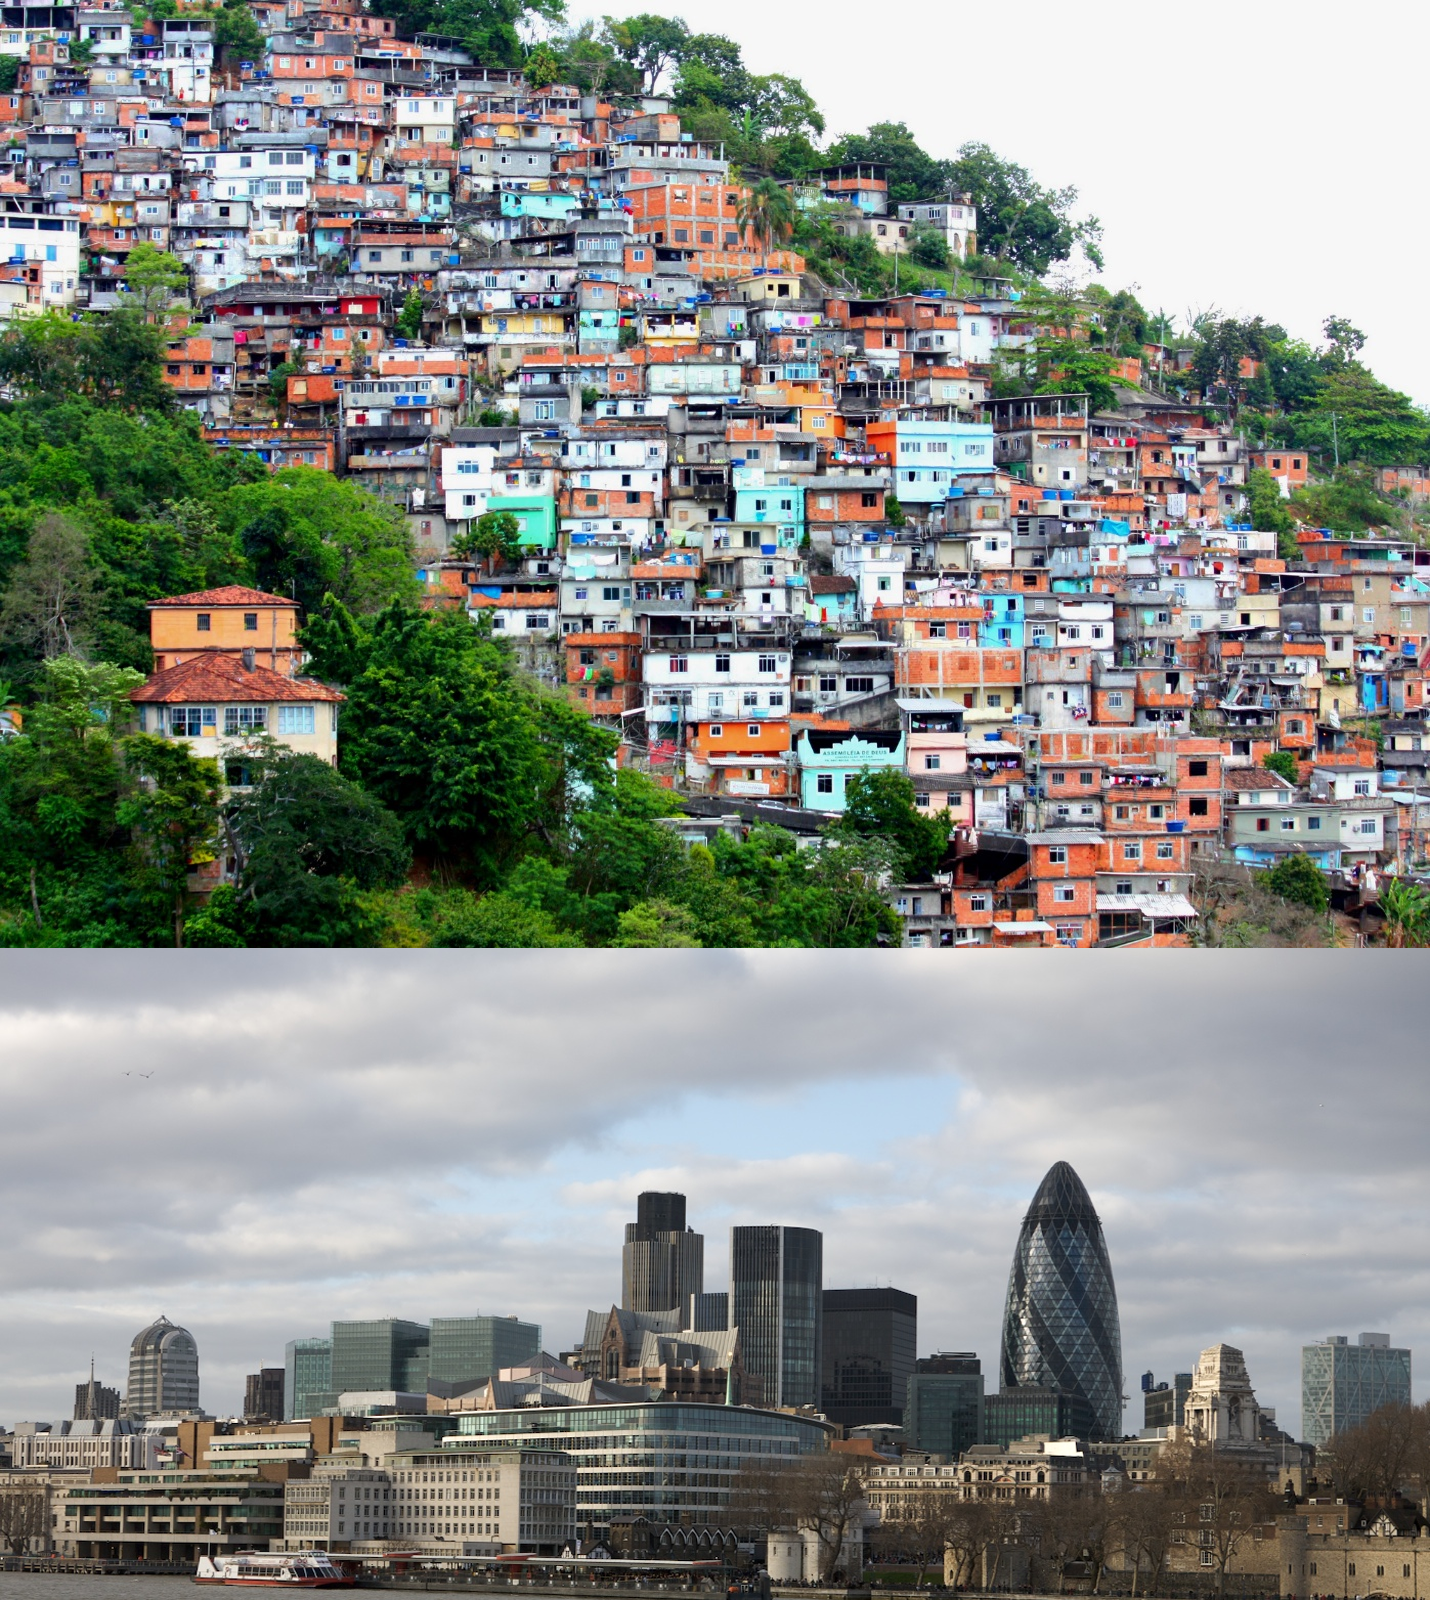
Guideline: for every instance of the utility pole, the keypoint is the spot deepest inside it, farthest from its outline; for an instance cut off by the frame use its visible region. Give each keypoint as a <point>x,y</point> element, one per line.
<point>1335,441</point>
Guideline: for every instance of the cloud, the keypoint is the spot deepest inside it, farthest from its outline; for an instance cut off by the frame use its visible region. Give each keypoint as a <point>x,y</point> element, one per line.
<point>431,1133</point>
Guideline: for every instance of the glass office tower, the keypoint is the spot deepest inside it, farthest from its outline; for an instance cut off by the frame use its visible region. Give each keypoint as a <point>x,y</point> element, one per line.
<point>1342,1383</point>
<point>867,1354</point>
<point>1060,1324</point>
<point>385,1354</point>
<point>943,1404</point>
<point>663,1261</point>
<point>307,1375</point>
<point>776,1301</point>
<point>471,1349</point>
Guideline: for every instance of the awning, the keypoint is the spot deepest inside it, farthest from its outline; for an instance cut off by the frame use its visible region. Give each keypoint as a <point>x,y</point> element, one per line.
<point>1023,927</point>
<point>1150,905</point>
<point>744,761</point>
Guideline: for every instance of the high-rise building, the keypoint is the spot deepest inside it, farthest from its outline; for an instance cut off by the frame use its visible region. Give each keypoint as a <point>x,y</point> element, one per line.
<point>708,1312</point>
<point>1060,1324</point>
<point>469,1350</point>
<point>263,1395</point>
<point>776,1301</point>
<point>384,1354</point>
<point>663,1261</point>
<point>93,1402</point>
<point>1342,1383</point>
<point>943,1404</point>
<point>163,1372</point>
<point>1014,1413</point>
<point>867,1354</point>
<point>307,1378</point>
<point>1164,1405</point>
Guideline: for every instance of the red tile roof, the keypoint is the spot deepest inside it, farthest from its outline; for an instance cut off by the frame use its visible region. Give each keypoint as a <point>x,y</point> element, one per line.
<point>1254,778</point>
<point>223,680</point>
<point>231,594</point>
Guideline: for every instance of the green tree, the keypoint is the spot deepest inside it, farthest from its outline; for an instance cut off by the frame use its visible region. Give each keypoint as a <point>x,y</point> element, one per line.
<point>472,758</point>
<point>1018,219</point>
<point>9,74</point>
<point>1406,908</point>
<point>278,383</point>
<point>650,44</point>
<point>1297,879</point>
<point>409,319</point>
<point>308,841</point>
<point>542,67</point>
<point>913,173</point>
<point>494,535</point>
<point>880,804</point>
<point>173,812</point>
<point>1282,763</point>
<point>308,534</point>
<point>499,921</point>
<point>237,37</point>
<point>115,360</point>
<point>929,247</point>
<point>1268,510</point>
<point>657,924</point>
<point>767,210</point>
<point>51,599</point>
<point>590,61</point>
<point>154,277</point>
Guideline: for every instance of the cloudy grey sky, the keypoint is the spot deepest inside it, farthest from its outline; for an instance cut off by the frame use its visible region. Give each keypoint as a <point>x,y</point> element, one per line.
<point>1262,158</point>
<point>423,1134</point>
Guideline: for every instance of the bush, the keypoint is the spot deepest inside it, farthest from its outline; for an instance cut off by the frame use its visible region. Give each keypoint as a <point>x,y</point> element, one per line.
<point>1299,880</point>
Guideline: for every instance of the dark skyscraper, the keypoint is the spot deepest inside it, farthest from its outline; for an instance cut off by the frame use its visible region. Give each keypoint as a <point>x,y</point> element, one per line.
<point>869,1345</point>
<point>663,1262</point>
<point>263,1395</point>
<point>943,1406</point>
<point>776,1301</point>
<point>1060,1327</point>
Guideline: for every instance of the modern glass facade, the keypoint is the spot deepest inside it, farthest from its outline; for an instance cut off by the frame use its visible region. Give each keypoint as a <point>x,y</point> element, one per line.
<point>776,1301</point>
<point>1342,1383</point>
<point>663,1261</point>
<point>943,1405</point>
<point>663,1461</point>
<point>868,1347</point>
<point>307,1374</point>
<point>1166,1406</point>
<point>1013,1414</point>
<point>385,1354</point>
<point>471,1349</point>
<point>1060,1324</point>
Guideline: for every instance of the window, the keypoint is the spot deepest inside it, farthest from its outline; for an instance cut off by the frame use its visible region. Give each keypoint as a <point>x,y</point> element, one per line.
<point>244,719</point>
<point>1064,893</point>
<point>1313,824</point>
<point>1056,777</point>
<point>1362,786</point>
<point>250,622</point>
<point>1085,778</point>
<point>1114,700</point>
<point>767,663</point>
<point>1263,825</point>
<point>680,663</point>
<point>751,697</point>
<point>938,630</point>
<point>1197,808</point>
<point>204,621</point>
<point>1057,855</point>
<point>932,763</point>
<point>717,730</point>
<point>1132,850</point>
<point>824,783</point>
<point>189,722</point>
<point>1367,825</point>
<point>1165,852</point>
<point>611,591</point>
<point>722,663</point>
<point>752,729</point>
<point>296,719</point>
<point>1288,824</point>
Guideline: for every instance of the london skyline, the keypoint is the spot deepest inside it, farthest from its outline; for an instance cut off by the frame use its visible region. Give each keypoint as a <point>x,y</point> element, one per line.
<point>170,1206</point>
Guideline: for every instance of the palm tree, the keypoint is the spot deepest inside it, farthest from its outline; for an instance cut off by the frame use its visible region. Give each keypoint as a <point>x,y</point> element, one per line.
<point>768,212</point>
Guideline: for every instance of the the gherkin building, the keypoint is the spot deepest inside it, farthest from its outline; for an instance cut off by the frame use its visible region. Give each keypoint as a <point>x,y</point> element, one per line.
<point>1060,1327</point>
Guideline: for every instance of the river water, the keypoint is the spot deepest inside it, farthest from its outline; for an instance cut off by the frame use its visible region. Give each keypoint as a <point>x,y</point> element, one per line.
<point>71,1586</point>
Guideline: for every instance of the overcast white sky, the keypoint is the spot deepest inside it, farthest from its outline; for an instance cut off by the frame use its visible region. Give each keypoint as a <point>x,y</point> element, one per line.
<point>450,1132</point>
<point>1262,157</point>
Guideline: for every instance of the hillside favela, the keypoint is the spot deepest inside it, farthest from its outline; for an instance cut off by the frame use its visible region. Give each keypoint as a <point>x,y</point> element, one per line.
<point>472,476</point>
<point>766,1437</point>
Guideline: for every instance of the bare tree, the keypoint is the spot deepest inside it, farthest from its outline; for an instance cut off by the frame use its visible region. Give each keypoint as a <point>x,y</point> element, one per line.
<point>1146,1519</point>
<point>22,1518</point>
<point>1376,1459</point>
<point>821,1494</point>
<point>1059,1524</point>
<point>1225,1499</point>
<point>965,1536</point>
<point>920,1538</point>
<point>52,595</point>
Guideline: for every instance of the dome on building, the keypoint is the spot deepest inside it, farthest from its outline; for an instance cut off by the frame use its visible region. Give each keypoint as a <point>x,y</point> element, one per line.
<point>163,1371</point>
<point>1060,1324</point>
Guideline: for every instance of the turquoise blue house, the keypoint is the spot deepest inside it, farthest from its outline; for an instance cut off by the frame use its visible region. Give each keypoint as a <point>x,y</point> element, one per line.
<point>1002,625</point>
<point>781,505</point>
<point>536,515</point>
<point>828,760</point>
